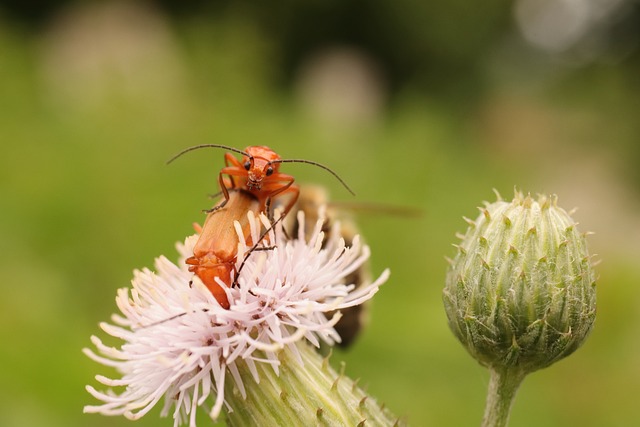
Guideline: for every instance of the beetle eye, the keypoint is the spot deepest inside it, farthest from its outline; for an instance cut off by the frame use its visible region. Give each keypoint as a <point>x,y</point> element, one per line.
<point>269,171</point>
<point>247,164</point>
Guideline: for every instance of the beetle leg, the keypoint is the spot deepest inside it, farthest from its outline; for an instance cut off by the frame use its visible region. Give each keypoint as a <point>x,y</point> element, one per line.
<point>284,185</point>
<point>225,192</point>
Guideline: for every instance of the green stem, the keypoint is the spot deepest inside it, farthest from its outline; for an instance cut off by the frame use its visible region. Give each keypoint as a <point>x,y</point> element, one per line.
<point>503,385</point>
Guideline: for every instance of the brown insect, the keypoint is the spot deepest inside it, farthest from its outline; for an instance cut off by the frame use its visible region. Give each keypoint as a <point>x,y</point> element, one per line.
<point>310,200</point>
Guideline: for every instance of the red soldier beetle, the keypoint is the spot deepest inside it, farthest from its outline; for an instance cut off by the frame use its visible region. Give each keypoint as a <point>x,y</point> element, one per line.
<point>252,183</point>
<point>258,173</point>
<point>215,252</point>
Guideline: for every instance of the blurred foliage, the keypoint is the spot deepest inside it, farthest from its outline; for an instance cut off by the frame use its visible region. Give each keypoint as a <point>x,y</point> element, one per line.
<point>95,100</point>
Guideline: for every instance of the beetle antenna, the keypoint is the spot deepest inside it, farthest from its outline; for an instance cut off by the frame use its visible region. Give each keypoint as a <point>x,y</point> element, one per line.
<point>321,166</point>
<point>168,319</point>
<point>197,147</point>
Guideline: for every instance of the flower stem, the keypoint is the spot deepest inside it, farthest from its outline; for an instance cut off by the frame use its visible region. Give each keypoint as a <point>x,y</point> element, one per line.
<point>503,385</point>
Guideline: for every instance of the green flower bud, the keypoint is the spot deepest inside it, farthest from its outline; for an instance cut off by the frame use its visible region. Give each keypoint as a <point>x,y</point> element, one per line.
<point>305,391</point>
<point>520,293</point>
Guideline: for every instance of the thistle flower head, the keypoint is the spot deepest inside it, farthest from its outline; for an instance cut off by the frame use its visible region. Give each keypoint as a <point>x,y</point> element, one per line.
<point>521,290</point>
<point>180,345</point>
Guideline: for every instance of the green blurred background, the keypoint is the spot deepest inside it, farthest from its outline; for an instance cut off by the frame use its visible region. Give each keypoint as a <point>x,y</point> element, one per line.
<point>423,104</point>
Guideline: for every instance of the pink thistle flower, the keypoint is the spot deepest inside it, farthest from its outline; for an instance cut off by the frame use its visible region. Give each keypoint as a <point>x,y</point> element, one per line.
<point>180,345</point>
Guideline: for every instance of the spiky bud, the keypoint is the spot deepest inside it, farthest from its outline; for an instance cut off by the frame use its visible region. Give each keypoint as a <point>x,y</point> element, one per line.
<point>520,293</point>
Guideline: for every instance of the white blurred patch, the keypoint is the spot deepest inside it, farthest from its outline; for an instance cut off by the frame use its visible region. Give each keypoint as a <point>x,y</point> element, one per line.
<point>110,52</point>
<point>556,26</point>
<point>341,86</point>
